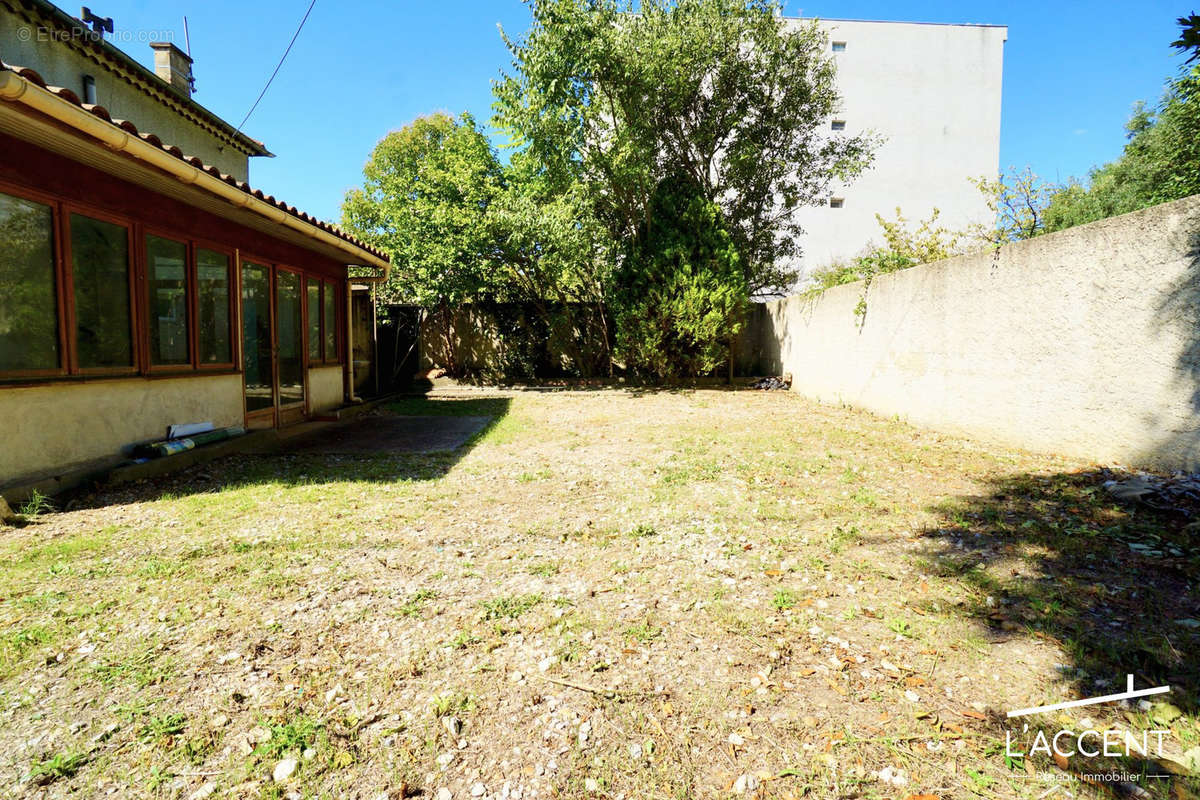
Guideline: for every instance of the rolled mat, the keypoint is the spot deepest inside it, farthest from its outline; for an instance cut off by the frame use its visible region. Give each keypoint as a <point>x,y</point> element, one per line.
<point>171,447</point>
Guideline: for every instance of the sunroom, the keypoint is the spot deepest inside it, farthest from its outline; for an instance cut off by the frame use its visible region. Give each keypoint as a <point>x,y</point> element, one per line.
<point>140,288</point>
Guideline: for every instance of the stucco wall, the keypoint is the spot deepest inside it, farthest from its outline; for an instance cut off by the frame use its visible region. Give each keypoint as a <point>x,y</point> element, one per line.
<point>1085,342</point>
<point>55,426</point>
<point>325,388</point>
<point>62,64</point>
<point>933,92</point>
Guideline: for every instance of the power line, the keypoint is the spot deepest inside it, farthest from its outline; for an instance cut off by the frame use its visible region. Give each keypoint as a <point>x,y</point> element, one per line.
<point>277,66</point>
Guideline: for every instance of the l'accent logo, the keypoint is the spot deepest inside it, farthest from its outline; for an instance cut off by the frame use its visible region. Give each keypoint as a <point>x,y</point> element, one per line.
<point>1091,701</point>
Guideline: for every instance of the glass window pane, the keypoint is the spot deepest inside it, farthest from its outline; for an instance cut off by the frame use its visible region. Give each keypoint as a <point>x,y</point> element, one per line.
<point>314,320</point>
<point>330,322</point>
<point>166,276</point>
<point>100,264</point>
<point>212,308</point>
<point>256,336</point>
<point>28,304</point>
<point>289,337</point>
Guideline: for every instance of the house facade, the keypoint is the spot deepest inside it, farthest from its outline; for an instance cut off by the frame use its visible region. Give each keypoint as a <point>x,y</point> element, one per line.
<point>933,93</point>
<point>143,281</point>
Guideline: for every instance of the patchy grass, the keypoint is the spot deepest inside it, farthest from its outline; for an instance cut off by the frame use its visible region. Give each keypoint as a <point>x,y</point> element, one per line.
<point>605,593</point>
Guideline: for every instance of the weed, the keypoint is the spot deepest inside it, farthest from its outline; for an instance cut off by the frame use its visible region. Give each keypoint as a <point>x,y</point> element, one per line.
<point>546,569</point>
<point>447,703</point>
<point>509,607</point>
<point>15,644</point>
<point>141,669</point>
<point>163,727</point>
<point>900,626</point>
<point>412,607</point>
<point>783,599</point>
<point>644,631</point>
<point>290,737</point>
<point>59,765</point>
<point>462,640</point>
<point>36,505</point>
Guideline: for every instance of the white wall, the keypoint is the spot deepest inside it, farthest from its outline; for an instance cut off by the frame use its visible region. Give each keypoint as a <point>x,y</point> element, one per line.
<point>933,92</point>
<point>56,426</point>
<point>325,390</point>
<point>1084,342</point>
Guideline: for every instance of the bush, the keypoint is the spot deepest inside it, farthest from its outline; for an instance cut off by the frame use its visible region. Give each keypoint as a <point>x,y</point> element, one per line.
<point>680,294</point>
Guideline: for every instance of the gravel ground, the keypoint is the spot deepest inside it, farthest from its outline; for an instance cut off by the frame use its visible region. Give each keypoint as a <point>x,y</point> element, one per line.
<point>605,594</point>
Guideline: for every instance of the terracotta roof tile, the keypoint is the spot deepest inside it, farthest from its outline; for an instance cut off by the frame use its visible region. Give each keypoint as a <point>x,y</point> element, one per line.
<point>102,113</point>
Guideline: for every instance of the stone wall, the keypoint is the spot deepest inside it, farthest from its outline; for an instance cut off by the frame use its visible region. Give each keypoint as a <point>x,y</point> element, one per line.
<point>1085,342</point>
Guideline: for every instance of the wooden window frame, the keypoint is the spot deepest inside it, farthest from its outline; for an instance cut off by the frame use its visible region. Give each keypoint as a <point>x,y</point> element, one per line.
<point>235,289</point>
<point>326,285</point>
<point>189,288</point>
<point>138,280</point>
<point>59,268</point>
<point>133,269</point>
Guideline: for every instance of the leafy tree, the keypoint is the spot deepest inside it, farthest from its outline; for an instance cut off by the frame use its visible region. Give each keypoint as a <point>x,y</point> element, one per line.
<point>425,200</point>
<point>681,290</point>
<point>617,96</point>
<point>1189,36</point>
<point>555,256</point>
<point>1018,202</point>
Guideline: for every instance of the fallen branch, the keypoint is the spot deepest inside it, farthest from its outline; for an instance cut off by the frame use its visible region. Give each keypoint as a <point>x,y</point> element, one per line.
<point>600,690</point>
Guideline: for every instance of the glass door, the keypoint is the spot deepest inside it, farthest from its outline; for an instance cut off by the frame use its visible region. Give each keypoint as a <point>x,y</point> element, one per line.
<point>289,345</point>
<point>272,345</point>
<point>257,346</point>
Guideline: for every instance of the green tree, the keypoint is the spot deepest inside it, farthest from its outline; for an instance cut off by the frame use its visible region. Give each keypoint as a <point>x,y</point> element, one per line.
<point>425,201</point>
<point>680,291</point>
<point>1189,36</point>
<point>1018,200</point>
<point>617,96</point>
<point>556,257</point>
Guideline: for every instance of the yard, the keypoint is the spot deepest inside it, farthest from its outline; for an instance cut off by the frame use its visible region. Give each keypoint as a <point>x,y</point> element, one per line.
<point>662,594</point>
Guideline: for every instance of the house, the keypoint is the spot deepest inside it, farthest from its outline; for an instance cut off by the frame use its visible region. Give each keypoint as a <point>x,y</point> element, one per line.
<point>933,93</point>
<point>143,282</point>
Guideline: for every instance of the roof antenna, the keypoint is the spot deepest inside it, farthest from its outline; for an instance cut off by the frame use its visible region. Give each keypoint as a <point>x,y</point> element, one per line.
<point>187,40</point>
<point>99,24</point>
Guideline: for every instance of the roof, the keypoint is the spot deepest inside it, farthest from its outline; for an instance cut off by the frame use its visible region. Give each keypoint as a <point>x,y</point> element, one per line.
<point>136,74</point>
<point>130,128</point>
<point>897,22</point>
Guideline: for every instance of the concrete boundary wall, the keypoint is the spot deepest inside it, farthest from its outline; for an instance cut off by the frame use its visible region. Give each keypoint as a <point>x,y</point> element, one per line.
<point>1085,342</point>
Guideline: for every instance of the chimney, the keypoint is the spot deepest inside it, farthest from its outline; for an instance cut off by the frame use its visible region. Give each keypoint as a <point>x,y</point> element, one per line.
<point>174,66</point>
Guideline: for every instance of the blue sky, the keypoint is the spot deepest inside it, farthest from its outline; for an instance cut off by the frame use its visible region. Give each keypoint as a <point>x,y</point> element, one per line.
<point>363,67</point>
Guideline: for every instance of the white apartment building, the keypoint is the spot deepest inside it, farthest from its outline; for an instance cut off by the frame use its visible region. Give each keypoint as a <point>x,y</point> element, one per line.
<point>932,91</point>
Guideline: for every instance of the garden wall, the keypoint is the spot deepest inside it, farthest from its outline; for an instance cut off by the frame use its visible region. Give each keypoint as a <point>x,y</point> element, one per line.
<point>516,341</point>
<point>1084,342</point>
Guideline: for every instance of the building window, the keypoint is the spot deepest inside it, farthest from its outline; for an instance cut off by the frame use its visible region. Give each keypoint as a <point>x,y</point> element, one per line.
<point>314,321</point>
<point>838,125</point>
<point>331,337</point>
<point>166,279</point>
<point>839,47</point>
<point>28,295</point>
<point>214,345</point>
<point>836,202</point>
<point>100,270</point>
